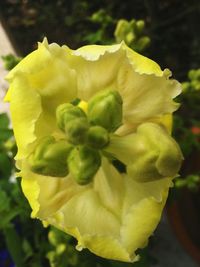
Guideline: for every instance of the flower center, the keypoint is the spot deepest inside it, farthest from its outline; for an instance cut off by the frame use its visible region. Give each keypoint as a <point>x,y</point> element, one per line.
<point>87,127</point>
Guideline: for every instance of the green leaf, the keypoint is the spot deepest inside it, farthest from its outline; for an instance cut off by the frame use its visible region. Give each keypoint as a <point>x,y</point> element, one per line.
<point>4,121</point>
<point>5,134</point>
<point>5,166</point>
<point>4,202</point>
<point>10,61</point>
<point>8,217</point>
<point>27,248</point>
<point>13,242</point>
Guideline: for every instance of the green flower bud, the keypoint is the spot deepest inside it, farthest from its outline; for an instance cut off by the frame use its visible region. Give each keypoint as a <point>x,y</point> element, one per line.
<point>195,84</point>
<point>124,31</point>
<point>119,31</point>
<point>193,74</point>
<point>140,24</point>
<point>52,257</point>
<point>130,37</point>
<point>97,137</point>
<point>156,154</point>
<point>83,163</point>
<point>76,130</point>
<point>53,238</point>
<point>132,28</point>
<point>185,87</point>
<point>66,113</point>
<point>149,154</point>
<point>50,156</point>
<point>60,249</point>
<point>144,168</point>
<point>142,43</point>
<point>105,109</point>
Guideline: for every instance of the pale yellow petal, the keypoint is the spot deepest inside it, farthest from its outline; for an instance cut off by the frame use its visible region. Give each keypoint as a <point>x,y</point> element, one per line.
<point>139,224</point>
<point>25,107</point>
<point>97,68</point>
<point>165,120</point>
<point>109,248</point>
<point>142,64</point>
<point>38,84</point>
<point>109,185</point>
<point>86,212</point>
<point>136,192</point>
<point>31,190</point>
<point>52,192</point>
<point>146,97</point>
<point>94,52</point>
<point>146,90</point>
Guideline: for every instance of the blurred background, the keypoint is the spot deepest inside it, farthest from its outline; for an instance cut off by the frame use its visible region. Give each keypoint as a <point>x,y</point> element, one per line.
<point>166,31</point>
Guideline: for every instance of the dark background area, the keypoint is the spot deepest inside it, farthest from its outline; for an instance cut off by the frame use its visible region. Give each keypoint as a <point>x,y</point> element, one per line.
<point>173,26</point>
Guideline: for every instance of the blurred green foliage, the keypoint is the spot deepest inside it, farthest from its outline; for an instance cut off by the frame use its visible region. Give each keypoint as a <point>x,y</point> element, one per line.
<point>194,81</point>
<point>104,24</point>
<point>187,131</point>
<point>190,181</point>
<point>186,119</point>
<point>16,228</point>
<point>6,163</point>
<point>10,61</point>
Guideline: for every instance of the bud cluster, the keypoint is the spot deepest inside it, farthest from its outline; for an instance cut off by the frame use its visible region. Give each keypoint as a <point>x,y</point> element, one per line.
<point>87,133</point>
<point>132,33</point>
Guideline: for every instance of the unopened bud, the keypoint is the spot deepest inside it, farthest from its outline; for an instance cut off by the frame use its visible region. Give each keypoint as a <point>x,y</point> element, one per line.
<point>76,130</point>
<point>66,113</point>
<point>140,24</point>
<point>142,43</point>
<point>83,163</point>
<point>105,109</point>
<point>97,137</point>
<point>157,155</point>
<point>124,31</point>
<point>149,154</point>
<point>50,157</point>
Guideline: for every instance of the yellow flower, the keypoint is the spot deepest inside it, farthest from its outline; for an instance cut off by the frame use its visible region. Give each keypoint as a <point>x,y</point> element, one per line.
<point>114,213</point>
